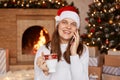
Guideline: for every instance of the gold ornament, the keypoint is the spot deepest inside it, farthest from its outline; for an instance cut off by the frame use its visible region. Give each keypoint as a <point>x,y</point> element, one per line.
<point>110,21</point>
<point>89,35</point>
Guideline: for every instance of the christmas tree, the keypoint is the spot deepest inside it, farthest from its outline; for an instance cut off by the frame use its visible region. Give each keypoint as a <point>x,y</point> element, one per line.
<point>103,28</point>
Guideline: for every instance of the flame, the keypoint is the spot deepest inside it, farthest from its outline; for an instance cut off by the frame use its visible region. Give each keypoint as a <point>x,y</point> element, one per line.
<point>41,41</point>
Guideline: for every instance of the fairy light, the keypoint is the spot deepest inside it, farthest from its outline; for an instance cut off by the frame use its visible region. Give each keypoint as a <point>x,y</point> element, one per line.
<point>105,10</point>
<point>59,3</point>
<point>96,0</point>
<point>99,4</point>
<point>101,27</point>
<point>89,24</point>
<point>87,44</point>
<point>50,0</point>
<point>43,2</point>
<point>92,14</point>
<point>63,4</point>
<point>56,1</point>
<point>98,39</point>
<point>114,49</point>
<point>102,46</point>
<point>102,0</point>
<point>93,42</point>
<point>101,12</point>
<point>107,48</point>
<point>93,25</point>
<point>89,35</point>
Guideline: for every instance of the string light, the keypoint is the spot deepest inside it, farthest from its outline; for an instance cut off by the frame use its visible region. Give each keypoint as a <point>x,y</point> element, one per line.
<point>105,10</point>
<point>98,39</point>
<point>99,4</point>
<point>89,25</point>
<point>110,21</point>
<point>102,0</point>
<point>92,14</point>
<point>114,49</point>
<point>93,25</point>
<point>101,27</point>
<point>96,0</point>
<point>107,48</point>
<point>87,44</point>
<point>93,42</point>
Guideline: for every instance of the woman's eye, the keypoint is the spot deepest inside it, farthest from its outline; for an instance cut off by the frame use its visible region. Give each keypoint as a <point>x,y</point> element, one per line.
<point>64,22</point>
<point>73,24</point>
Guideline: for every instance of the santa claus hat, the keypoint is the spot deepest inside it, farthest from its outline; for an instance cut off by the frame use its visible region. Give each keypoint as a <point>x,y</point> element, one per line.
<point>68,12</point>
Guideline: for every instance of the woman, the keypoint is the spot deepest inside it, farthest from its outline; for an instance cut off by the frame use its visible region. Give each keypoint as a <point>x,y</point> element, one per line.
<point>73,56</point>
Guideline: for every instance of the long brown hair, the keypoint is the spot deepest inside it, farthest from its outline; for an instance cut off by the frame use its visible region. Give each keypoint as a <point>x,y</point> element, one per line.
<point>55,47</point>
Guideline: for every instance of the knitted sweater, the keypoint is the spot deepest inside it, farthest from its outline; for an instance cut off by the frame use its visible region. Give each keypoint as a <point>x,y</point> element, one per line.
<point>77,70</point>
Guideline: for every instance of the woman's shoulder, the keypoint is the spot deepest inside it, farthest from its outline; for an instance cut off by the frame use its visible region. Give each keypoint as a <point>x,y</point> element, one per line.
<point>43,49</point>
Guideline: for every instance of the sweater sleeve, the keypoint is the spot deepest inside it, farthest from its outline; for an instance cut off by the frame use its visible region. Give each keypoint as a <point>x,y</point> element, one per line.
<point>38,73</point>
<point>79,65</point>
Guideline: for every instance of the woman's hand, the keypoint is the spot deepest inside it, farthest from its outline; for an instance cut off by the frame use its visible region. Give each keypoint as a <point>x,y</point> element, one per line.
<point>42,64</point>
<point>75,43</point>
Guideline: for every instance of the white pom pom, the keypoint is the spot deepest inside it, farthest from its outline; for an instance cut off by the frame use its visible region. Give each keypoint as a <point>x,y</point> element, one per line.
<point>57,18</point>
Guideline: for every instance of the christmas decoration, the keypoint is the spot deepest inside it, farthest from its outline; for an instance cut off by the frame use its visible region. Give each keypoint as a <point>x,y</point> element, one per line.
<point>103,29</point>
<point>50,4</point>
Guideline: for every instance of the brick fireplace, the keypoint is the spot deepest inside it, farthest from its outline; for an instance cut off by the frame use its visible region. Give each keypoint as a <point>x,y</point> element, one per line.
<point>14,22</point>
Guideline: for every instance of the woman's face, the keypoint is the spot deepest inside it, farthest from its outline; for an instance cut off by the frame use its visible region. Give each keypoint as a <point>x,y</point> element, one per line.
<point>66,29</point>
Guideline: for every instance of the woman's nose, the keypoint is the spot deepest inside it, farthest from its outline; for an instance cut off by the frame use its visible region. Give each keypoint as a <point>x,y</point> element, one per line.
<point>68,26</point>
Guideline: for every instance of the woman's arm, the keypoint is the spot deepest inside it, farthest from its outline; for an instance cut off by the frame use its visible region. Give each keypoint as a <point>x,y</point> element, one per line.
<point>79,65</point>
<point>39,73</point>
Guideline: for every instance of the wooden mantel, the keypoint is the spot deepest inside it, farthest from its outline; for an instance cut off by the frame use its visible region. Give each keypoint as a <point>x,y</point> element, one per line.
<point>9,22</point>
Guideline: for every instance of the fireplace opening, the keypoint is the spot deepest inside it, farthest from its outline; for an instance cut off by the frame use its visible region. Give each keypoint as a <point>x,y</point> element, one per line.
<point>33,38</point>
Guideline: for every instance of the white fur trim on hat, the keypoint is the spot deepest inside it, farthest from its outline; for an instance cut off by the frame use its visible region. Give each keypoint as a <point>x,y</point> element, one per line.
<point>68,14</point>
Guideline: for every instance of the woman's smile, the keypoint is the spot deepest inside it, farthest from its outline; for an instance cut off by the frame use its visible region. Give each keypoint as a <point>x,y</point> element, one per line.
<point>66,32</point>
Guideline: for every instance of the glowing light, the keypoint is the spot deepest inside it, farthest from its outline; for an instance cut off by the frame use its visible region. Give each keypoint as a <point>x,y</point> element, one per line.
<point>89,24</point>
<point>114,49</point>
<point>94,25</point>
<point>93,42</point>
<point>87,44</point>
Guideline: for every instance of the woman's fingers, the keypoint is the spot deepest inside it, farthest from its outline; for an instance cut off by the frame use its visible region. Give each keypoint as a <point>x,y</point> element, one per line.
<point>41,62</point>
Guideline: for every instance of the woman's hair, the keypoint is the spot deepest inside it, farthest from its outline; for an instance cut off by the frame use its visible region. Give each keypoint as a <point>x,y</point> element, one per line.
<point>55,47</point>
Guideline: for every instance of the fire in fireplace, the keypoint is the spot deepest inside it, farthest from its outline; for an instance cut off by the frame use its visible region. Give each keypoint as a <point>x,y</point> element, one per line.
<point>33,38</point>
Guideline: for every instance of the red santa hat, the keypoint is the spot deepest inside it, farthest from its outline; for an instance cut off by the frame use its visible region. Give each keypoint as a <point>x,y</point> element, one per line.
<point>68,12</point>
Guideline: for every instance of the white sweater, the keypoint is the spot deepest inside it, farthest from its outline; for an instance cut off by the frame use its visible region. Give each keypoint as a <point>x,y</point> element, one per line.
<point>77,70</point>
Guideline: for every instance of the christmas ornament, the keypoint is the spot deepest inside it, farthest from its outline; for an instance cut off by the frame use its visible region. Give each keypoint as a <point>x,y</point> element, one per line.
<point>99,20</point>
<point>92,30</point>
<point>86,19</point>
<point>110,21</point>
